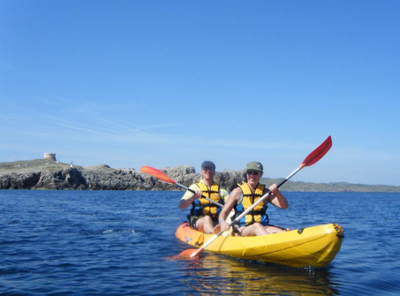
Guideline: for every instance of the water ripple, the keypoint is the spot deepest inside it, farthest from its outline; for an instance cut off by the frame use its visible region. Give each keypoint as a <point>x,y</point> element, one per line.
<point>118,243</point>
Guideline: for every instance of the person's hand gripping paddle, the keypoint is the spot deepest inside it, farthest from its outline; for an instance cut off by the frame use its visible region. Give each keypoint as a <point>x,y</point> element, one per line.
<point>164,177</point>
<point>312,158</point>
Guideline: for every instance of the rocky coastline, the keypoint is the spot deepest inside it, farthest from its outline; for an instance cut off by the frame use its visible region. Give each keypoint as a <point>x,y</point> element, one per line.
<point>54,175</point>
<point>48,174</point>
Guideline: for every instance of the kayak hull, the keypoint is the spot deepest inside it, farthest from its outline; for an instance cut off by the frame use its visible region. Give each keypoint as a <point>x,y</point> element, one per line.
<point>313,246</point>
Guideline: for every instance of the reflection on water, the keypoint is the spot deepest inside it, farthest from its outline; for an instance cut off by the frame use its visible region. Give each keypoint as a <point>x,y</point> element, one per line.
<point>218,274</point>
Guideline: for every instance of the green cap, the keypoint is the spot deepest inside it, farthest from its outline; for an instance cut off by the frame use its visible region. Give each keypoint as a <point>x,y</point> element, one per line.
<point>255,166</point>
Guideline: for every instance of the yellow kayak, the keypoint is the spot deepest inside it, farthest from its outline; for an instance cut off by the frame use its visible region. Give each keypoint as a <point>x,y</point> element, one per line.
<point>313,246</point>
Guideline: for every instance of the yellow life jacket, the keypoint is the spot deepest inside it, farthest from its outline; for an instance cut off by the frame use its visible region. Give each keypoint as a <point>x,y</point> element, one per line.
<point>202,206</point>
<point>258,214</point>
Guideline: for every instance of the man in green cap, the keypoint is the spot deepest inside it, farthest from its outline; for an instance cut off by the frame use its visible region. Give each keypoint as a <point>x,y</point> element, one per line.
<point>256,222</point>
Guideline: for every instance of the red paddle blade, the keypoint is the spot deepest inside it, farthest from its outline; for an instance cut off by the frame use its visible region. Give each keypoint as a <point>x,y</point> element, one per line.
<point>156,173</point>
<point>186,255</point>
<point>318,153</point>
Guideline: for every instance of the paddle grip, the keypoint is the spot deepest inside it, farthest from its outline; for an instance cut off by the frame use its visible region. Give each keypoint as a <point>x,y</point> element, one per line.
<point>191,190</point>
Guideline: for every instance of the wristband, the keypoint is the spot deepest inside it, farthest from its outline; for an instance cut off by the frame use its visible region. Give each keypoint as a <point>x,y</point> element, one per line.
<point>220,221</point>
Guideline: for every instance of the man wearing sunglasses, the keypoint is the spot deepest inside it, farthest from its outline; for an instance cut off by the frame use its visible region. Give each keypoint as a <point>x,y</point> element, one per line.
<point>256,222</point>
<point>204,214</point>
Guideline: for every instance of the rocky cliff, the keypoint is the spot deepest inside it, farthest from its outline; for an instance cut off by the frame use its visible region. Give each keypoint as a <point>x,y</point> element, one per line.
<point>47,174</point>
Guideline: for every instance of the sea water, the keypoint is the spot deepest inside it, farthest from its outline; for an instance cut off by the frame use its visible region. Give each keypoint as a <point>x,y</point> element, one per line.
<point>120,243</point>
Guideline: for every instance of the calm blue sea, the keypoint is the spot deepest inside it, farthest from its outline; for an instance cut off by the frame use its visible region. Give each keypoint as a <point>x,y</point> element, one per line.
<point>118,243</point>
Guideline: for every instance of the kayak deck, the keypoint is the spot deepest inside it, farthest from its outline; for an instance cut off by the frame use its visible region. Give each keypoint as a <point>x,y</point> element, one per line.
<point>313,246</point>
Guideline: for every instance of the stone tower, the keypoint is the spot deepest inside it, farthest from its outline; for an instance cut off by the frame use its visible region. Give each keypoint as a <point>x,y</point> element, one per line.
<point>50,156</point>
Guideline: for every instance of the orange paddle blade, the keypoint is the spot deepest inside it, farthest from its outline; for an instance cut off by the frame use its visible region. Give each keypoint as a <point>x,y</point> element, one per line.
<point>186,255</point>
<point>156,173</point>
<point>318,153</point>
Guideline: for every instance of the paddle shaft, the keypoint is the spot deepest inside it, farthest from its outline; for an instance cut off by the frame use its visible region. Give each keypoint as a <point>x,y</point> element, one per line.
<point>246,212</point>
<point>164,177</point>
<point>187,188</point>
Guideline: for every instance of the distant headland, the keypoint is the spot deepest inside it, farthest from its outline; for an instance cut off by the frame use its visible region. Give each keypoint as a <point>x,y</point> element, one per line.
<point>48,173</point>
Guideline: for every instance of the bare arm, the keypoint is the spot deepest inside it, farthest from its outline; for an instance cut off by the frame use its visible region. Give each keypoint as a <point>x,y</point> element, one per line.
<point>277,198</point>
<point>230,203</point>
<point>188,198</point>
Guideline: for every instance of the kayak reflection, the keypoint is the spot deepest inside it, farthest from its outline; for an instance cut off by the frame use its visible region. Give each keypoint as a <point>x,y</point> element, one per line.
<point>223,275</point>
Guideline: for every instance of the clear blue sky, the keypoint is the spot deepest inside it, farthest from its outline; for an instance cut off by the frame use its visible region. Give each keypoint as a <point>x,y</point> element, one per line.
<point>167,83</point>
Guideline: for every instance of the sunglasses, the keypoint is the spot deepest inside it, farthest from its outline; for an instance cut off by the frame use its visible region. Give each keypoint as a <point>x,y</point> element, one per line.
<point>255,173</point>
